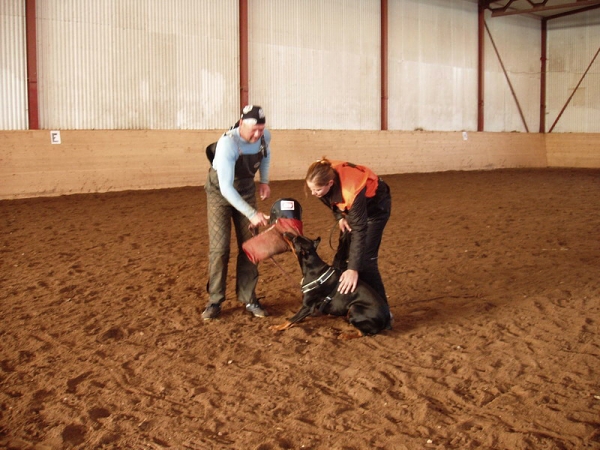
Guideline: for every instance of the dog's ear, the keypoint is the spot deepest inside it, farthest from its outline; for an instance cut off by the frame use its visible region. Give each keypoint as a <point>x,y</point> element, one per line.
<point>289,239</point>
<point>316,242</point>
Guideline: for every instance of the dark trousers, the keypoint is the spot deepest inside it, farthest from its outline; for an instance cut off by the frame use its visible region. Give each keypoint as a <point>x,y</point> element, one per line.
<point>220,217</point>
<point>369,272</point>
<point>379,212</point>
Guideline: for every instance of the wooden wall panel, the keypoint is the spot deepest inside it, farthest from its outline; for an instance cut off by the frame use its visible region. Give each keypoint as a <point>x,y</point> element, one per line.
<point>573,150</point>
<point>388,152</point>
<point>102,160</point>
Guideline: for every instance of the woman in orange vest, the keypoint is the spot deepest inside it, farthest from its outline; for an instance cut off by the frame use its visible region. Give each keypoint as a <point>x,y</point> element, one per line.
<point>361,203</point>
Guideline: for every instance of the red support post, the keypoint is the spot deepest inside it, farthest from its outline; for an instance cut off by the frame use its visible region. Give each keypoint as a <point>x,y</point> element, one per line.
<point>480,67</point>
<point>384,64</point>
<point>544,58</point>
<point>32,91</point>
<point>243,26</point>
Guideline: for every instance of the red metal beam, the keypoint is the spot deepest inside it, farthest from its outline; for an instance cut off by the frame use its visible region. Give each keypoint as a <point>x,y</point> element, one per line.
<point>384,64</point>
<point>32,91</point>
<point>512,90</point>
<point>243,25</point>
<point>543,59</point>
<point>480,70</point>
<point>576,11</point>
<point>502,11</point>
<point>574,90</point>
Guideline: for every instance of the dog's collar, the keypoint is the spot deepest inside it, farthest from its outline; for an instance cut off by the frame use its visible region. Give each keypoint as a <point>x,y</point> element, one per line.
<point>319,281</point>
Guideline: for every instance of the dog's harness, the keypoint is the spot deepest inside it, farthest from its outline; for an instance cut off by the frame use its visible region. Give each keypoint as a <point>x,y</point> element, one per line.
<point>319,281</point>
<point>324,304</point>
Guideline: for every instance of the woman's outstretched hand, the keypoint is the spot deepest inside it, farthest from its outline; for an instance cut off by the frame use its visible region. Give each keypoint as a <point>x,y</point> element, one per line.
<point>348,281</point>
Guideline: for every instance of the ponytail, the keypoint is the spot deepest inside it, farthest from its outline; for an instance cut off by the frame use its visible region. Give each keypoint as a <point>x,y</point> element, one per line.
<point>320,172</point>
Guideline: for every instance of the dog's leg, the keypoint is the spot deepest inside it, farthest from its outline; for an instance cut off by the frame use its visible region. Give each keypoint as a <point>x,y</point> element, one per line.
<point>304,312</point>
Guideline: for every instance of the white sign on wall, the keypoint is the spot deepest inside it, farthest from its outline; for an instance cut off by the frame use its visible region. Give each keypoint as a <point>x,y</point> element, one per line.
<point>55,137</point>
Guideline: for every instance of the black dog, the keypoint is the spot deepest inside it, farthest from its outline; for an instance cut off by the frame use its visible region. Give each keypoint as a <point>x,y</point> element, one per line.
<point>365,309</point>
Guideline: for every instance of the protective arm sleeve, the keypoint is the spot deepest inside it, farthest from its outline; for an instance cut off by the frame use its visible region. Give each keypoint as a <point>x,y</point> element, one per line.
<point>265,164</point>
<point>224,163</point>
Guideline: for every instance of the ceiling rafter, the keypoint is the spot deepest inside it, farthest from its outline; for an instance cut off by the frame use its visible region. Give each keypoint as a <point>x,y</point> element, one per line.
<point>540,7</point>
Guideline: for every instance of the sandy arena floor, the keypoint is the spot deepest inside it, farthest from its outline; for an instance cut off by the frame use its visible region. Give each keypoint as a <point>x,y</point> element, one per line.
<point>493,279</point>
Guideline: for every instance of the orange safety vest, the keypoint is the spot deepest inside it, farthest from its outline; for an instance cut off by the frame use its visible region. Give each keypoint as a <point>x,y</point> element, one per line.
<point>353,179</point>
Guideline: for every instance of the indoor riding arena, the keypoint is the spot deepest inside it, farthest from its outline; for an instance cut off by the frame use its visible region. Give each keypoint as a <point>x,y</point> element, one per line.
<point>483,117</point>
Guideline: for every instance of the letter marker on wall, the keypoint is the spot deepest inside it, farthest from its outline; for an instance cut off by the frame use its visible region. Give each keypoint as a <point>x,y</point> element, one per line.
<point>55,137</point>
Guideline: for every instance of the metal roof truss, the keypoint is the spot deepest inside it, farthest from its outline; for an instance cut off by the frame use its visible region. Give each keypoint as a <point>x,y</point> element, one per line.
<point>546,9</point>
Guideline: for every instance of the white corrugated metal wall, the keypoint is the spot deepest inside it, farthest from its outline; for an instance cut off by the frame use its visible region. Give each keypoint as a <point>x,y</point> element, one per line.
<point>316,64</point>
<point>572,43</point>
<point>13,66</point>
<point>140,64</point>
<point>150,64</point>
<point>518,41</point>
<point>432,65</point>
